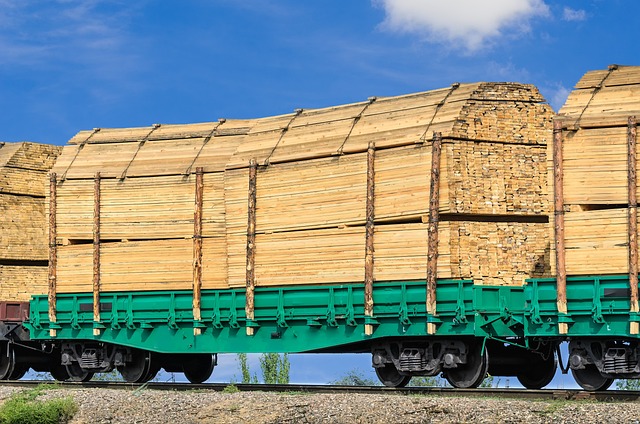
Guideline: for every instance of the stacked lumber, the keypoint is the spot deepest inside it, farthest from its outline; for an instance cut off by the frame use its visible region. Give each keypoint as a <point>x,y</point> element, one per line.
<point>596,170</point>
<point>311,202</point>
<point>147,187</point>
<point>311,185</point>
<point>23,235</point>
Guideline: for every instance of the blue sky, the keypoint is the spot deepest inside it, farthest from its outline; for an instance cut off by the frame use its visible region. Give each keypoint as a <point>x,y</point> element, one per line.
<point>69,65</point>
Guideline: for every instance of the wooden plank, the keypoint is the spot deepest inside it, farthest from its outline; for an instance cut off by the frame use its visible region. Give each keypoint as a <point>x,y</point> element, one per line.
<point>20,282</point>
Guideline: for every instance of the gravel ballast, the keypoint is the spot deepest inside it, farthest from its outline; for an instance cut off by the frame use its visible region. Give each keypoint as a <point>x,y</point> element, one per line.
<point>154,406</point>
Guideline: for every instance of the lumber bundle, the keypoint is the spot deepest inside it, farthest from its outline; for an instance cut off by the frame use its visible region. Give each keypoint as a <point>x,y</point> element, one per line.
<point>147,187</point>
<point>596,171</point>
<point>20,282</point>
<point>23,234</point>
<point>504,253</point>
<point>312,175</point>
<point>311,204</point>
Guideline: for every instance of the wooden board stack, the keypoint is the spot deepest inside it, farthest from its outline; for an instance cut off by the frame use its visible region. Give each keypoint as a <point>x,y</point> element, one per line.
<point>311,194</point>
<point>595,170</point>
<point>23,225</point>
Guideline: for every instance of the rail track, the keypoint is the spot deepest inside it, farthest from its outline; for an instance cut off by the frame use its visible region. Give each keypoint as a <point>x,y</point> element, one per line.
<point>545,394</point>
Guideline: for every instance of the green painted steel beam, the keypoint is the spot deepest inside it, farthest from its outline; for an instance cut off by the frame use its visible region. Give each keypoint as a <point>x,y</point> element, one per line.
<point>597,306</point>
<point>288,319</point>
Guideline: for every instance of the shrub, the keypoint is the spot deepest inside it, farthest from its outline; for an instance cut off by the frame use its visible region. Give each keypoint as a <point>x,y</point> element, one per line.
<point>25,408</point>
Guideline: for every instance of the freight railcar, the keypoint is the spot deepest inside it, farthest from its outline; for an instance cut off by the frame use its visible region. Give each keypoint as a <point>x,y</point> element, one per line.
<point>423,229</point>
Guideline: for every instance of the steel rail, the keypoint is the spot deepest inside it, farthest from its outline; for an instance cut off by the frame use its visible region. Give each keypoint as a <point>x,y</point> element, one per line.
<point>543,394</point>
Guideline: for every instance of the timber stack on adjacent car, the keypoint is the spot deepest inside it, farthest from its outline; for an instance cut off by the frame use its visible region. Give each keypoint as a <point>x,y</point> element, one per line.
<point>595,164</point>
<point>23,225</point>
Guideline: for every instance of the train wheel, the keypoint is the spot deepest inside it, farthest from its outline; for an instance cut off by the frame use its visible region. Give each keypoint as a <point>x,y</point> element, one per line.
<point>538,375</point>
<point>19,371</point>
<point>471,374</point>
<point>7,360</point>
<point>76,373</point>
<point>59,372</point>
<point>590,379</point>
<point>139,369</point>
<point>199,367</point>
<point>390,377</point>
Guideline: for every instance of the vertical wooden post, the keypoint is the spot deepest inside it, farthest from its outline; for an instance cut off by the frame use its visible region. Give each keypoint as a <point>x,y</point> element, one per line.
<point>369,230</point>
<point>197,249</point>
<point>632,180</point>
<point>96,252</point>
<point>251,244</point>
<point>53,254</point>
<point>432,232</point>
<point>558,210</point>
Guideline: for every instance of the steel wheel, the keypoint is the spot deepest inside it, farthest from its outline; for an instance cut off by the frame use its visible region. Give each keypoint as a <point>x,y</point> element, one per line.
<point>471,374</point>
<point>139,369</point>
<point>19,371</point>
<point>390,377</point>
<point>59,372</point>
<point>539,374</point>
<point>590,379</point>
<point>76,373</point>
<point>7,360</point>
<point>199,367</point>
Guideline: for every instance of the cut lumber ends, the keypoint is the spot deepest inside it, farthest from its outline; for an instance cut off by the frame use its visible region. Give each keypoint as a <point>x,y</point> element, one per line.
<point>23,228</point>
<point>23,167</point>
<point>20,282</point>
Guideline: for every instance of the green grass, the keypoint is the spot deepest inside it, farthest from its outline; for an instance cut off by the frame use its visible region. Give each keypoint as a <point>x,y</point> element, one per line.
<point>25,408</point>
<point>231,388</point>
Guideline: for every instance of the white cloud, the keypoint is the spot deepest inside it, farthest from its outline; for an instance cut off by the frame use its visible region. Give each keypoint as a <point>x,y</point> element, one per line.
<point>569,14</point>
<point>469,23</point>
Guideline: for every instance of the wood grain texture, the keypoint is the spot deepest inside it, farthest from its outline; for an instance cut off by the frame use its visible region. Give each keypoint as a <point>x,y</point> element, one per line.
<point>311,194</point>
